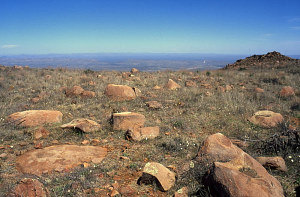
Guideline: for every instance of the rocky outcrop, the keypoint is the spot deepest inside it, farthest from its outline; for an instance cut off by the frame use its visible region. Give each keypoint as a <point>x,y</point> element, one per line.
<point>156,172</point>
<point>83,124</point>
<point>33,118</point>
<point>127,120</point>
<point>59,158</point>
<point>234,172</point>
<point>269,60</point>
<point>266,119</point>
<point>121,92</point>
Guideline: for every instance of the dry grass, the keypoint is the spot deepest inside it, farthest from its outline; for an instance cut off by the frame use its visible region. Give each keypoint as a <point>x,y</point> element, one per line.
<point>188,116</point>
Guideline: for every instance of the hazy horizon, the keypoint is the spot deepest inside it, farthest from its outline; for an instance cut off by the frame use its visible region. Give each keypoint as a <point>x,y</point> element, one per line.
<point>125,61</point>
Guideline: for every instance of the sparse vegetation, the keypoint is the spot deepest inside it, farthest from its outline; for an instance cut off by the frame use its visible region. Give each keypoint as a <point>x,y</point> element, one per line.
<point>187,117</point>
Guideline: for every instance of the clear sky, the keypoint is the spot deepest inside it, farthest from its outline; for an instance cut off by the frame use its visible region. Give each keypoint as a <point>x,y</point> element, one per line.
<point>156,26</point>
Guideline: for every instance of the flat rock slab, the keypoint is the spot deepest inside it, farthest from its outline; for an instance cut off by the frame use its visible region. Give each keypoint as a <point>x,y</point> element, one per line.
<point>33,118</point>
<point>58,158</point>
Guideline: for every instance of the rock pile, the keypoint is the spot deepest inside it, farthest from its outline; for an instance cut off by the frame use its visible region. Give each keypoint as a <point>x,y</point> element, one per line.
<point>271,59</point>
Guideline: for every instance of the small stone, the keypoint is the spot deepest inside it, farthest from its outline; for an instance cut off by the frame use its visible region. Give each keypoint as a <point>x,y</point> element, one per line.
<point>23,143</point>
<point>207,93</point>
<point>153,170</point>
<point>86,165</point>
<point>266,118</point>
<point>134,70</point>
<point>228,87</point>
<point>138,134</point>
<point>277,163</point>
<point>30,188</point>
<point>120,92</point>
<point>115,185</point>
<point>239,143</point>
<point>190,84</point>
<point>154,104</point>
<point>83,124</point>
<point>259,90</point>
<point>3,155</point>
<point>55,142</point>
<point>88,94</point>
<point>172,85</point>
<point>114,193</point>
<point>92,83</point>
<point>95,142</point>
<point>183,192</point>
<point>287,91</point>
<point>74,91</point>
<point>127,191</point>
<point>41,133</point>
<point>137,92</point>
<point>85,142</point>
<point>39,145</point>
<point>156,87</point>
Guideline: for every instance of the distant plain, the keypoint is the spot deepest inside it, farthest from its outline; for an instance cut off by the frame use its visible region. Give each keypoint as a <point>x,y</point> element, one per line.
<point>124,61</point>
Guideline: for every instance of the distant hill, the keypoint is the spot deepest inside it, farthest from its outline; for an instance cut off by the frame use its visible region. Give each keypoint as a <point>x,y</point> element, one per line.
<point>270,60</point>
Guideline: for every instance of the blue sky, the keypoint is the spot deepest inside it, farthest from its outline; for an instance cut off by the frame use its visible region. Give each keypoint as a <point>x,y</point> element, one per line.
<point>155,26</point>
